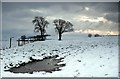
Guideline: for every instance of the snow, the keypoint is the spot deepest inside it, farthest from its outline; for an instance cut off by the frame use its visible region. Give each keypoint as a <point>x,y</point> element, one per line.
<point>84,56</point>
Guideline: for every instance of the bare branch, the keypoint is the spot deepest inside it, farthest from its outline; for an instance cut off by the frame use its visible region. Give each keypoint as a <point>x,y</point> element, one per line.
<point>40,23</point>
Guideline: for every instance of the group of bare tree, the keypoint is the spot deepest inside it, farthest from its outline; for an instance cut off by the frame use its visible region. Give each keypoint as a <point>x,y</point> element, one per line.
<point>61,26</point>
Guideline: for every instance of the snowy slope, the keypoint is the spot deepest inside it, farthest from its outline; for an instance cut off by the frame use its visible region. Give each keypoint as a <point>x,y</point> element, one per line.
<point>84,56</point>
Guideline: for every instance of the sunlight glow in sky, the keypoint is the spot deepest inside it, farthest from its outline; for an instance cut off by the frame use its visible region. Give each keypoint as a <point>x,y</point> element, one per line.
<point>85,18</point>
<point>97,32</point>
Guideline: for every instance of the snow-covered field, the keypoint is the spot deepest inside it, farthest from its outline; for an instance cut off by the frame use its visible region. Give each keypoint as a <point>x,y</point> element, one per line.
<point>84,56</point>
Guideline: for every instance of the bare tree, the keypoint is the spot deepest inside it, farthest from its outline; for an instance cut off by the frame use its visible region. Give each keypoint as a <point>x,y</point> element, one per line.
<point>62,26</point>
<point>40,24</point>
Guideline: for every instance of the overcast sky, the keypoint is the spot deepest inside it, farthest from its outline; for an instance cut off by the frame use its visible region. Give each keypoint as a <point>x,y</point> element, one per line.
<point>89,17</point>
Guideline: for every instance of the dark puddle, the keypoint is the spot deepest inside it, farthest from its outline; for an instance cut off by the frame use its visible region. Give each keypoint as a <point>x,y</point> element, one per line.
<point>47,64</point>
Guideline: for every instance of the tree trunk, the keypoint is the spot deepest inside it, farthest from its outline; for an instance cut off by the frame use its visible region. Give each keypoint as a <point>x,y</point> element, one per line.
<point>60,35</point>
<point>41,35</point>
<point>10,42</point>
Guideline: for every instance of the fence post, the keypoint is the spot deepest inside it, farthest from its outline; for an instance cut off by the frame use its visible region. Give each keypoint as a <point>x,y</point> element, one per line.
<point>11,41</point>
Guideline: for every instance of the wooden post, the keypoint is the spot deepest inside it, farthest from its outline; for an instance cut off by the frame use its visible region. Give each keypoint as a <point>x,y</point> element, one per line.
<point>10,42</point>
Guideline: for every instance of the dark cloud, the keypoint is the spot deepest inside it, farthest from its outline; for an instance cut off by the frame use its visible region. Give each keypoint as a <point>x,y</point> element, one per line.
<point>107,7</point>
<point>13,6</point>
<point>112,17</point>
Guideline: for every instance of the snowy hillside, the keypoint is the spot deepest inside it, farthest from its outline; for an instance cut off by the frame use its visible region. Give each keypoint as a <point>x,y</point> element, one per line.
<point>83,56</point>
